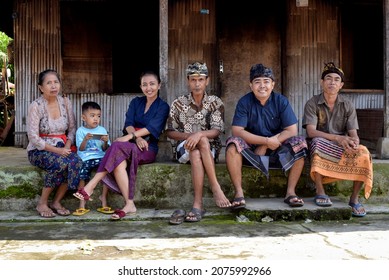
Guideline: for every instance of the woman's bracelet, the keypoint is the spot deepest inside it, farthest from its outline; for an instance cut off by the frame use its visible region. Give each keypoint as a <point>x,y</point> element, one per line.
<point>133,136</point>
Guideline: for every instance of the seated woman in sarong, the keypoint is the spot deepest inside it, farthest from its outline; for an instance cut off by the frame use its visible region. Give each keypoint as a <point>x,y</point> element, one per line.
<point>331,124</point>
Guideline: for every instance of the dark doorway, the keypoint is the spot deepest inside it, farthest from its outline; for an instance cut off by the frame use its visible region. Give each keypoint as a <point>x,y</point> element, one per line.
<point>106,46</point>
<point>362,44</point>
<point>6,20</point>
<point>136,48</point>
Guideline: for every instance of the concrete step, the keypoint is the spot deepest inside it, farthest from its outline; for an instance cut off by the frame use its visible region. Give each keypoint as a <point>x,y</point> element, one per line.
<point>257,210</point>
<point>167,186</point>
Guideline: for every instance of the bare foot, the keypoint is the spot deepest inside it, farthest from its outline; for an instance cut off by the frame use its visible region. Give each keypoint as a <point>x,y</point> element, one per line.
<point>44,211</point>
<point>220,199</point>
<point>103,201</point>
<point>129,208</point>
<point>59,209</point>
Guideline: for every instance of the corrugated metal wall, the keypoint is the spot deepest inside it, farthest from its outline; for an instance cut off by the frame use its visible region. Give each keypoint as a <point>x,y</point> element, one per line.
<point>37,46</point>
<point>367,99</point>
<point>192,37</point>
<point>312,38</point>
<point>113,107</point>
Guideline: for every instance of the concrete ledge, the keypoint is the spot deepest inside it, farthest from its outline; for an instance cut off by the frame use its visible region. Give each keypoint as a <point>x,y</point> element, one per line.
<point>167,185</point>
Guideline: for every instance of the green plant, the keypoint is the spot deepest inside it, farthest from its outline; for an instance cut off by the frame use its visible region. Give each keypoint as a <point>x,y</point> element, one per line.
<point>4,41</point>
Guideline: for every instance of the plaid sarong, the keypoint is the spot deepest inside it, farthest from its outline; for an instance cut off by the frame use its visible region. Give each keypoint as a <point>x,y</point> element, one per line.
<point>292,149</point>
<point>353,165</point>
<point>325,149</point>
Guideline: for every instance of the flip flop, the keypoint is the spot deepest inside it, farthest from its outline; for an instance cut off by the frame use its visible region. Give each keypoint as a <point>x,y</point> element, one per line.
<point>177,217</point>
<point>238,203</point>
<point>80,212</point>
<point>60,212</point>
<point>46,214</point>
<point>195,215</point>
<point>326,203</point>
<point>105,210</point>
<point>118,214</point>
<point>294,203</point>
<point>82,195</point>
<point>355,207</point>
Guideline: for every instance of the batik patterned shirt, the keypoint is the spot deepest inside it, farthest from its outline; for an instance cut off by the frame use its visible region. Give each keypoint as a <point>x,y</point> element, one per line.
<point>185,116</point>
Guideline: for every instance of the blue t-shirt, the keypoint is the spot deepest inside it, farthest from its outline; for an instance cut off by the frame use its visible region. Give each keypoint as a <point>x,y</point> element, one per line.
<point>94,147</point>
<point>154,119</point>
<point>267,120</point>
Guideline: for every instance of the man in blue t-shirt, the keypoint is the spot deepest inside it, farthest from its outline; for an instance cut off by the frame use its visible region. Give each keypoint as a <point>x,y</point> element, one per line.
<point>264,134</point>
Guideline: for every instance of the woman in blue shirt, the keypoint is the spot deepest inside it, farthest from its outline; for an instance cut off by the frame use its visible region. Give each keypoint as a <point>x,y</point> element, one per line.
<point>145,120</point>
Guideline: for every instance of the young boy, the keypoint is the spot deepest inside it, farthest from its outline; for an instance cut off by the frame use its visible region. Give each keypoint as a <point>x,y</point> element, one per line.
<point>92,141</point>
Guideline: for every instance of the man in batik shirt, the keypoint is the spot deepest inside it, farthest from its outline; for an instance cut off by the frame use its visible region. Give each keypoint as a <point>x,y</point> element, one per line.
<point>195,123</point>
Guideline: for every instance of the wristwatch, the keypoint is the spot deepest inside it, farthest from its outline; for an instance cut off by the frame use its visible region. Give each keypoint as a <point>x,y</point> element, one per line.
<point>133,136</point>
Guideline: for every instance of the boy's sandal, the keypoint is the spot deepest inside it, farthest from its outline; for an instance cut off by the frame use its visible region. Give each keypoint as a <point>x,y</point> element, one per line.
<point>106,210</point>
<point>80,212</point>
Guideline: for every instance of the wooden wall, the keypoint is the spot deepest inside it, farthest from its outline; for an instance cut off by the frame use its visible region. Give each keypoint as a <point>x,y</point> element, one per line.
<point>86,46</point>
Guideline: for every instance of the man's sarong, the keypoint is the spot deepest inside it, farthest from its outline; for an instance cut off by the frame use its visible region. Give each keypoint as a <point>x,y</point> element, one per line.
<point>353,165</point>
<point>284,157</point>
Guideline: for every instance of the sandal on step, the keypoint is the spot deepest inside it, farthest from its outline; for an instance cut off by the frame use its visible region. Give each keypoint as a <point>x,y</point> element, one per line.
<point>118,214</point>
<point>195,215</point>
<point>322,200</point>
<point>46,213</point>
<point>355,207</point>
<point>105,210</point>
<point>294,201</point>
<point>238,203</point>
<point>81,194</point>
<point>61,211</point>
<point>80,211</point>
<point>177,217</point>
